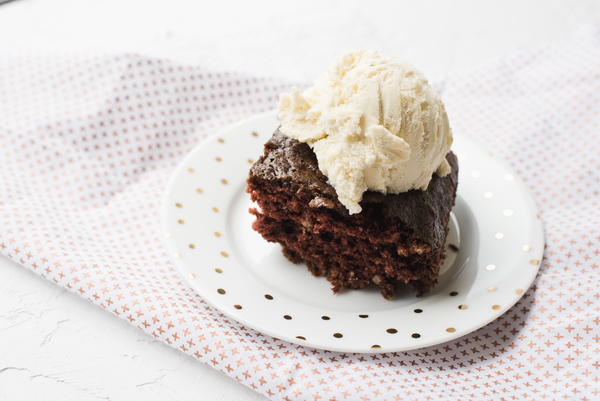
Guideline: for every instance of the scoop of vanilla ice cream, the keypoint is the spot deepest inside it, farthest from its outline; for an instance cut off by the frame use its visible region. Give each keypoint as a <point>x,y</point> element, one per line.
<point>374,123</point>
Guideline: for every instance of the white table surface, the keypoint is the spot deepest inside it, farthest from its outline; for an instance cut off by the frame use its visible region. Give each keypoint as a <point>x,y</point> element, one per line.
<point>57,346</point>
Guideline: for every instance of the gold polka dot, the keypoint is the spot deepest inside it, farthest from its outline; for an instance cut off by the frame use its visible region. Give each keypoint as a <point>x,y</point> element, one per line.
<point>190,170</point>
<point>338,335</point>
<point>508,212</point>
<point>221,291</point>
<point>496,307</point>
<point>193,276</point>
<point>392,331</point>
<point>199,190</point>
<point>498,235</point>
<point>301,337</point>
<point>224,181</point>
<point>450,329</point>
<point>180,221</point>
<point>287,317</point>
<point>237,306</point>
<point>518,291</point>
<point>534,261</point>
<point>178,205</point>
<point>224,254</point>
<point>325,317</point>
<point>492,288</point>
<point>490,267</point>
<point>220,140</point>
<point>488,195</point>
<point>463,307</point>
<point>250,161</point>
<point>191,246</point>
<point>218,159</point>
<point>215,209</point>
<point>269,296</point>
<point>218,270</point>
<point>375,346</point>
<point>526,248</point>
<point>217,234</point>
<point>415,335</point>
<point>509,177</point>
<point>254,134</point>
<point>363,316</point>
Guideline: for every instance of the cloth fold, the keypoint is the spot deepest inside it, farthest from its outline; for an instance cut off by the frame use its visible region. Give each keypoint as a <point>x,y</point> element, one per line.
<point>87,144</point>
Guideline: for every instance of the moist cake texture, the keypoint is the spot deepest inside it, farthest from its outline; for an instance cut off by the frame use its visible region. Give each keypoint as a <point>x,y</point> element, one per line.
<point>396,238</point>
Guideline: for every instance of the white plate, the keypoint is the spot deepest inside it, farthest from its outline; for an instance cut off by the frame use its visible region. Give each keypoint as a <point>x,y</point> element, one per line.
<point>208,230</point>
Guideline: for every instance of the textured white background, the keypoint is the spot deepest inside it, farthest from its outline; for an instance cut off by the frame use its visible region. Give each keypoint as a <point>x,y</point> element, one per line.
<point>54,345</point>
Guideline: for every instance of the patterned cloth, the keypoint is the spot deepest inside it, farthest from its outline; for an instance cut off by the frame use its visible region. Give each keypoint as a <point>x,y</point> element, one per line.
<point>88,143</point>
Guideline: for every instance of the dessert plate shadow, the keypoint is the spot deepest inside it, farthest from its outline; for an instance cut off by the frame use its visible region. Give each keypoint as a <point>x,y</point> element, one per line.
<point>495,247</point>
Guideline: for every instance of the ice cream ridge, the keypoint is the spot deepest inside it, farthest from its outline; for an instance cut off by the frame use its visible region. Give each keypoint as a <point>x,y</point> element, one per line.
<point>374,123</point>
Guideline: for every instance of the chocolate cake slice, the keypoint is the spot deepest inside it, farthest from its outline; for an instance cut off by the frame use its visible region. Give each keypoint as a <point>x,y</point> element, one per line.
<point>395,239</point>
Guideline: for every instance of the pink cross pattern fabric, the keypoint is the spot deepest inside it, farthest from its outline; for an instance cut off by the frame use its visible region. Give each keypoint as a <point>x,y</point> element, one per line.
<point>87,144</point>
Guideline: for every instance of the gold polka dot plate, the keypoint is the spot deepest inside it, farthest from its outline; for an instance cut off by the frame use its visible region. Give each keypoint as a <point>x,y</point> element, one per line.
<point>495,248</point>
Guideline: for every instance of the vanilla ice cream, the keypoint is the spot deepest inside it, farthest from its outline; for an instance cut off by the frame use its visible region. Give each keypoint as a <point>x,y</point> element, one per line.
<point>374,123</point>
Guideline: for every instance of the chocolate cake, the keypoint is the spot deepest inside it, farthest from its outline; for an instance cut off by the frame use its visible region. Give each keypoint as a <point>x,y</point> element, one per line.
<point>397,238</point>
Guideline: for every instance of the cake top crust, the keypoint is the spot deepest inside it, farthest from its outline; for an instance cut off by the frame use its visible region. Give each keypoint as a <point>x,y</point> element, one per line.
<point>293,164</point>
